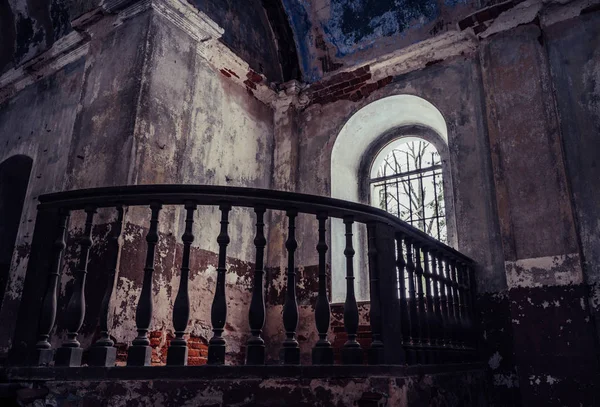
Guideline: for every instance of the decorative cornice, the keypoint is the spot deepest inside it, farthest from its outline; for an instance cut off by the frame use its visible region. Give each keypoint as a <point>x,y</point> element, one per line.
<point>236,69</point>
<point>64,51</point>
<point>181,14</point>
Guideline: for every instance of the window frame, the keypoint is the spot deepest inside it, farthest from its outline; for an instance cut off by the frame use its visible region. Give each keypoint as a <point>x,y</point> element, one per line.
<point>412,131</point>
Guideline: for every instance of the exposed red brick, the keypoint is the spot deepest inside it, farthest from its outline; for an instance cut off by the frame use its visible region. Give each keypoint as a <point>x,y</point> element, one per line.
<point>200,361</point>
<point>233,73</point>
<point>225,73</point>
<point>254,77</point>
<point>250,84</point>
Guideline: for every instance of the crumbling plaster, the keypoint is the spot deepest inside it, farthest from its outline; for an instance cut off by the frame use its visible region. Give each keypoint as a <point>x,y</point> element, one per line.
<point>532,287</point>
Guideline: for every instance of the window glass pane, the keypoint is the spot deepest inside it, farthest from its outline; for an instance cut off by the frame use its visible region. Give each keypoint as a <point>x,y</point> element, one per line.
<point>409,184</point>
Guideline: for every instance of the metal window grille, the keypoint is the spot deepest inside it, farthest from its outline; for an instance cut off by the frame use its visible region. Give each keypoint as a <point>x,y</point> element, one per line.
<point>409,184</point>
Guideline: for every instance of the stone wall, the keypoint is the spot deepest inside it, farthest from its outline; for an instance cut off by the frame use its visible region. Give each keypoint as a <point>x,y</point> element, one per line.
<point>141,105</point>
<point>514,97</point>
<point>139,98</point>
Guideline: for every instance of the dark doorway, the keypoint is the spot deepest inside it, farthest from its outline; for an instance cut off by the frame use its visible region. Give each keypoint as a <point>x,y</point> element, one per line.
<point>14,177</point>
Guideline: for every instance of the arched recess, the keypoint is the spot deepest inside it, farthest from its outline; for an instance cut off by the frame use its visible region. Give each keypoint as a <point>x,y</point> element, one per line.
<point>14,178</point>
<point>357,144</point>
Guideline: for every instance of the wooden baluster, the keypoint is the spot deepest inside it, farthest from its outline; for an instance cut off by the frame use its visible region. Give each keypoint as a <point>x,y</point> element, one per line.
<point>444,338</point>
<point>218,312</point>
<point>322,353</point>
<point>44,349</point>
<point>430,318</point>
<point>404,312</point>
<point>469,311</point>
<point>290,353</point>
<point>140,352</point>
<point>437,324</point>
<point>376,351</point>
<point>456,307</point>
<point>103,352</point>
<point>177,354</point>
<point>450,330</point>
<point>70,353</point>
<point>422,318</point>
<point>255,347</point>
<point>464,337</point>
<point>352,353</point>
<point>412,354</point>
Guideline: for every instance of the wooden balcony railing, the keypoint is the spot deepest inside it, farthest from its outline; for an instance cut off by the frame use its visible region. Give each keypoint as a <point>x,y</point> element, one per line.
<point>421,291</point>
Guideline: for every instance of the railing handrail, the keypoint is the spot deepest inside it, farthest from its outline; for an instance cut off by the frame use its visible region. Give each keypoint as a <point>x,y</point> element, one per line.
<point>167,194</point>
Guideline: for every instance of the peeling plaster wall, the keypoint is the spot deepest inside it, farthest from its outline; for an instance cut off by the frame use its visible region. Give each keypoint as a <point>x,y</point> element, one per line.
<point>248,33</point>
<point>142,107</point>
<point>29,27</point>
<point>553,334</point>
<point>574,50</point>
<point>38,122</point>
<point>331,34</point>
<point>455,88</point>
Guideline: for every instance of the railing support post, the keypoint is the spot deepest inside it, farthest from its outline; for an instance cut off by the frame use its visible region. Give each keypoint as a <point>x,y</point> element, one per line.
<point>322,353</point>
<point>45,353</point>
<point>177,354</point>
<point>103,352</point>
<point>376,352</point>
<point>140,353</point>
<point>290,353</point>
<point>70,353</point>
<point>391,323</point>
<point>255,347</point>
<point>218,312</point>
<point>352,353</point>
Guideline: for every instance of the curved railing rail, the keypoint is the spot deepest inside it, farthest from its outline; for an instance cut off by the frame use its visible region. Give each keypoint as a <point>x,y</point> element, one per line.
<point>421,291</point>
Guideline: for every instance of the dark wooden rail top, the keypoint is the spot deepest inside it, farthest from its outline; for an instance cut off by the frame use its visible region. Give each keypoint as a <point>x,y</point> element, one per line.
<point>133,195</point>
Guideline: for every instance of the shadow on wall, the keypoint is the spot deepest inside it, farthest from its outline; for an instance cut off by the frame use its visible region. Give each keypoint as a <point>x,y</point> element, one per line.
<point>14,178</point>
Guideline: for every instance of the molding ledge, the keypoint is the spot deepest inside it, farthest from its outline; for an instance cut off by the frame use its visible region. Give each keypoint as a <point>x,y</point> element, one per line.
<point>66,50</point>
<point>180,13</point>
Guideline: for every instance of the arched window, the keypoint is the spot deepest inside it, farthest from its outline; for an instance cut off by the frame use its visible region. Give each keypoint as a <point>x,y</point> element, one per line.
<point>359,151</point>
<point>406,180</point>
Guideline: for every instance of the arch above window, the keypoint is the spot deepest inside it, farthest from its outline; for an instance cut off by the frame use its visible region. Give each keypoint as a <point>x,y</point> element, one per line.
<point>364,135</point>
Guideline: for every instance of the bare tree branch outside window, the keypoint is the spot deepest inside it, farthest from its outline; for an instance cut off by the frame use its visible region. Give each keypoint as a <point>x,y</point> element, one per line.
<point>409,185</point>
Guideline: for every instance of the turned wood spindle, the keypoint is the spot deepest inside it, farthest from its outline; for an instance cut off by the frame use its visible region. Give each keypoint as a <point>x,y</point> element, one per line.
<point>45,352</point>
<point>451,325</point>
<point>404,316</point>
<point>103,352</point>
<point>290,352</point>
<point>351,352</point>
<point>458,304</point>
<point>255,347</point>
<point>437,325</point>
<point>140,352</point>
<point>412,354</point>
<point>443,337</point>
<point>422,318</point>
<point>376,351</point>
<point>70,353</point>
<point>430,316</point>
<point>177,354</point>
<point>218,312</point>
<point>322,353</point>
<point>469,308</point>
